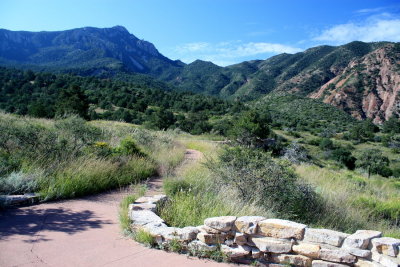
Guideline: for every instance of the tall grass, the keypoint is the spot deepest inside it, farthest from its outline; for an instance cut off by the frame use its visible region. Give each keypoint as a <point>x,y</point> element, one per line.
<point>93,175</point>
<point>124,220</point>
<point>353,201</point>
<point>70,157</point>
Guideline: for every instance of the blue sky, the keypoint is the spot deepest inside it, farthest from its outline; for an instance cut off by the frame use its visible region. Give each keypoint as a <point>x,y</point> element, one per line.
<point>222,31</point>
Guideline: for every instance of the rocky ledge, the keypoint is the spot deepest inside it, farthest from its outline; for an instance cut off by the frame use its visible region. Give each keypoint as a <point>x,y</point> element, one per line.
<point>268,242</point>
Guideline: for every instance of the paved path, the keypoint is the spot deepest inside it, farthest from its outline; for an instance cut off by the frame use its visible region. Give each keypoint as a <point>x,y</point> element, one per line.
<point>80,232</point>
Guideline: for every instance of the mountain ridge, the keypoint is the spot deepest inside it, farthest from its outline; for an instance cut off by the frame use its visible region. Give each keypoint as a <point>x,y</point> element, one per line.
<point>108,52</point>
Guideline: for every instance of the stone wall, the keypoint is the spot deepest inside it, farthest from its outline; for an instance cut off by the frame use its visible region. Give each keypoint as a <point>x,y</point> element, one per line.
<point>269,242</point>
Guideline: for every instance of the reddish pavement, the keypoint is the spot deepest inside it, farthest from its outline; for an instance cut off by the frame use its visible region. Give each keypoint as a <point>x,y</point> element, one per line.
<point>80,232</point>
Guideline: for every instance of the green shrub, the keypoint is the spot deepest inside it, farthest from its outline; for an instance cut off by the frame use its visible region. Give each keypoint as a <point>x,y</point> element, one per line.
<point>259,178</point>
<point>128,147</point>
<point>19,183</point>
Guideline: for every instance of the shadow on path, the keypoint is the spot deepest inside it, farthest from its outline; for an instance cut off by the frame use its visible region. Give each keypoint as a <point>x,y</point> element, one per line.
<point>29,222</point>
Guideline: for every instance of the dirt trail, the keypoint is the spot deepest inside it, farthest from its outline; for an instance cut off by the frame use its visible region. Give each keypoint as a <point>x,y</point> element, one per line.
<point>81,232</point>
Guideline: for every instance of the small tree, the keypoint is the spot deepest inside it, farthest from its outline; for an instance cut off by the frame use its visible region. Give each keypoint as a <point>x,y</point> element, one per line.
<point>252,126</point>
<point>372,161</point>
<point>72,100</point>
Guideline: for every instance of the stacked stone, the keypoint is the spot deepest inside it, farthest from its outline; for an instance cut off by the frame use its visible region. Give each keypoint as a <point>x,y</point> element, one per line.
<point>271,242</point>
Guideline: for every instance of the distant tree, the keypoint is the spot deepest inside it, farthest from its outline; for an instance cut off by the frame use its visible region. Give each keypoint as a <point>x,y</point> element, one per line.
<point>251,127</point>
<point>372,161</point>
<point>343,155</point>
<point>392,125</point>
<point>363,131</point>
<point>163,119</point>
<point>72,100</point>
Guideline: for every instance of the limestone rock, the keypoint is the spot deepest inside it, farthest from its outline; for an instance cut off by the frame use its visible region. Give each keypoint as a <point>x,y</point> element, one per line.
<point>222,223</point>
<point>319,263</point>
<point>385,260</point>
<point>361,239</point>
<point>236,252</point>
<point>256,253</point>
<point>197,245</point>
<point>142,217</point>
<point>281,229</point>
<point>187,233</point>
<point>386,245</point>
<point>268,244</point>
<point>324,236</point>
<point>248,224</point>
<point>362,253</point>
<point>143,206</point>
<point>336,256</point>
<point>240,239</point>
<point>208,230</point>
<point>366,263</point>
<point>211,239</point>
<point>296,260</point>
<point>309,250</point>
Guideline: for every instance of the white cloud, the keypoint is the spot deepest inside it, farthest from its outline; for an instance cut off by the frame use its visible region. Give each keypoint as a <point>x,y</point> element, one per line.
<point>377,28</point>
<point>193,47</point>
<point>227,53</point>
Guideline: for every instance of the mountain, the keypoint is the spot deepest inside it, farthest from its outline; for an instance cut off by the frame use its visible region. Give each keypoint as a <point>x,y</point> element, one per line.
<point>360,78</point>
<point>87,50</point>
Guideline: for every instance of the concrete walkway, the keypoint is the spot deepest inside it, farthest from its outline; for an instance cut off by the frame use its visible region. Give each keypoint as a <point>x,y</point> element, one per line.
<point>80,232</point>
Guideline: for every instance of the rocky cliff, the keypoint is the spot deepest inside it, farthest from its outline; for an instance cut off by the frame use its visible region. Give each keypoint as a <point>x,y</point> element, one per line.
<point>369,87</point>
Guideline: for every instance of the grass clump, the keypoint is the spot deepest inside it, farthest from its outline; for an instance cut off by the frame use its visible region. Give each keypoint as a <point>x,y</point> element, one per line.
<point>144,238</point>
<point>124,220</point>
<point>70,157</point>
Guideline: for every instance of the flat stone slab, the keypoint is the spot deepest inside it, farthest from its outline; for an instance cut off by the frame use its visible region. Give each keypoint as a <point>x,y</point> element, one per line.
<point>15,200</point>
<point>143,206</point>
<point>361,239</point>
<point>288,259</point>
<point>248,224</point>
<point>269,244</point>
<point>386,245</point>
<point>211,239</point>
<point>235,252</point>
<point>281,229</point>
<point>319,263</point>
<point>197,245</point>
<point>367,263</point>
<point>222,223</point>
<point>385,260</point>
<point>337,256</point>
<point>362,253</point>
<point>324,236</point>
<point>142,217</point>
<point>309,250</point>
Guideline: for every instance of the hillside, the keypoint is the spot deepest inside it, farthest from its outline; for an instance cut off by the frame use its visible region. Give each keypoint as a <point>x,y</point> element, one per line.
<point>352,77</point>
<point>87,50</point>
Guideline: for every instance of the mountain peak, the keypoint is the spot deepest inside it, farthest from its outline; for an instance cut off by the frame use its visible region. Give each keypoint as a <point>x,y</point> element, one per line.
<point>120,28</point>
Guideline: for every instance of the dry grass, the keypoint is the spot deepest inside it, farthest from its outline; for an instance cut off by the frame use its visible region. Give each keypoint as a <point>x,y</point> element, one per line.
<point>347,195</point>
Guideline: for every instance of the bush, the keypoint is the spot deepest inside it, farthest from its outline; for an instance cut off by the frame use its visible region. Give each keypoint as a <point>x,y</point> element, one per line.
<point>258,178</point>
<point>344,156</point>
<point>19,183</point>
<point>128,147</point>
